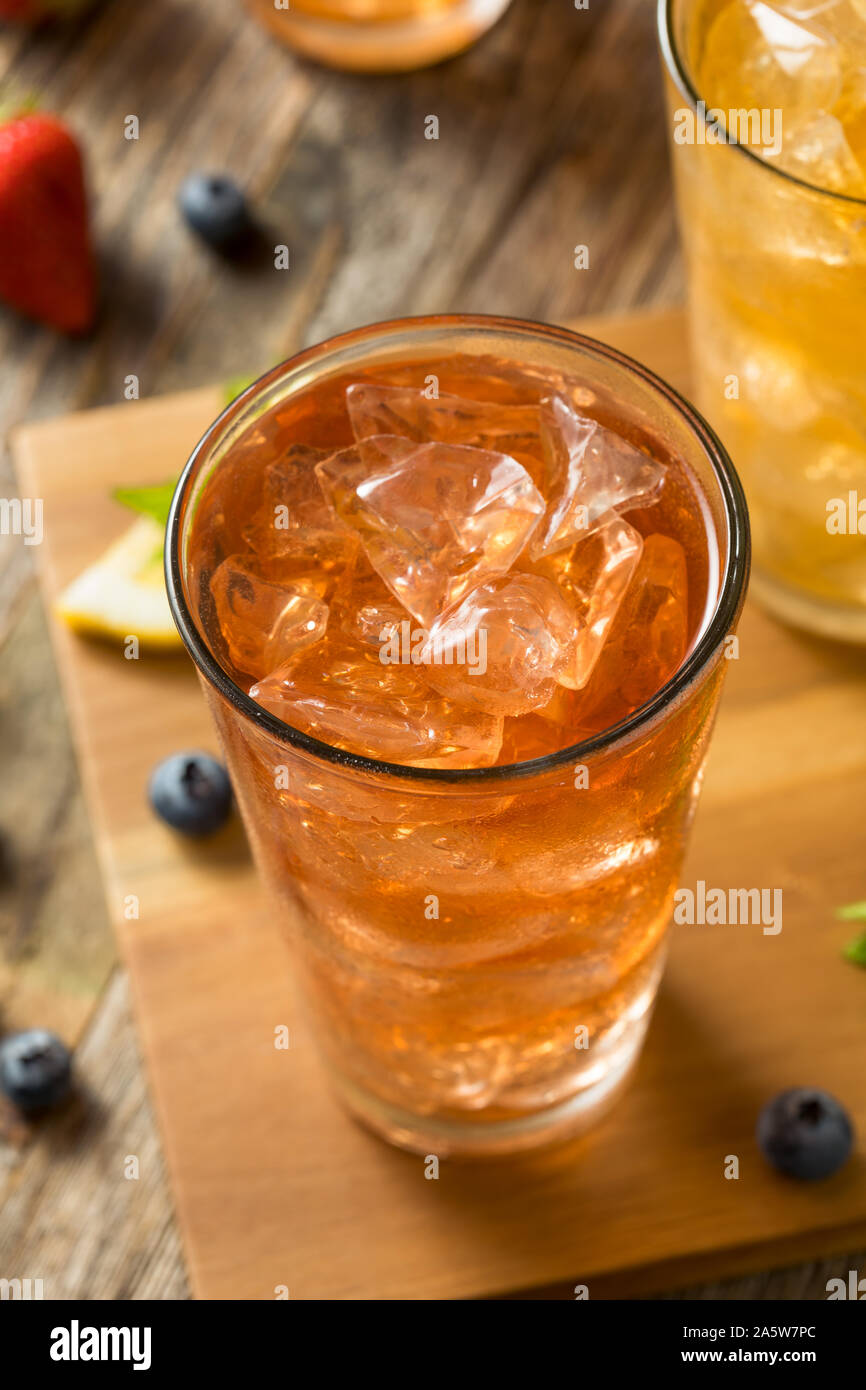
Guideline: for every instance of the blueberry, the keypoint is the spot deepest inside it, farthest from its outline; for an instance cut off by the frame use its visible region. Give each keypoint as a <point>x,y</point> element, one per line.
<point>216,209</point>
<point>805,1133</point>
<point>35,1069</point>
<point>192,792</point>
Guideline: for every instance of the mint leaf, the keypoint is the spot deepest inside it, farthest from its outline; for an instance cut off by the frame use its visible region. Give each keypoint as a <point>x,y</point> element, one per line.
<point>148,501</point>
<point>854,912</point>
<point>855,951</point>
<point>235,386</point>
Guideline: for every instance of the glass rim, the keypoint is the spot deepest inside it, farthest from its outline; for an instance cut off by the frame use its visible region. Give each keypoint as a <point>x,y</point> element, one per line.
<point>733,577</point>
<point>678,71</point>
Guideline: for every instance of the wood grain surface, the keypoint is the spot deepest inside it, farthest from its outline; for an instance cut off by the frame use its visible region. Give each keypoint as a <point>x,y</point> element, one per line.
<point>269,1176</point>
<point>551,135</point>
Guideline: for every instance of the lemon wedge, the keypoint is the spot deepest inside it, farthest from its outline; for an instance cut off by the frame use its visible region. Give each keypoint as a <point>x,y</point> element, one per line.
<point>123,593</point>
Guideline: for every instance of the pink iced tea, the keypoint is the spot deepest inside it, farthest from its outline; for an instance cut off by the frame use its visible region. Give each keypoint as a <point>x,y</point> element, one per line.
<point>432,577</point>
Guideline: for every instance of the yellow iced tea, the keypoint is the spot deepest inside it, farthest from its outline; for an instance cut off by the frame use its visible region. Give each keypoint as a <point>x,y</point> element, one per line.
<point>774,228</point>
<point>474,867</point>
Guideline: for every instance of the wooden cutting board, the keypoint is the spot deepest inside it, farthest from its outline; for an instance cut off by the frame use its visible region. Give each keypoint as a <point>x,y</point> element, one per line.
<point>274,1186</point>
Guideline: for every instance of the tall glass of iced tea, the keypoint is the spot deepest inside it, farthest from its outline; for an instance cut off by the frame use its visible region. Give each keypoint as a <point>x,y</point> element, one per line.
<point>459,591</point>
<point>378,35</point>
<point>767,102</point>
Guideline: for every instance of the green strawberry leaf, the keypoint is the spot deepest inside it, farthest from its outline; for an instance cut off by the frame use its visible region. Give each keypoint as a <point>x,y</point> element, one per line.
<point>854,912</point>
<point>14,108</point>
<point>855,951</point>
<point>151,501</point>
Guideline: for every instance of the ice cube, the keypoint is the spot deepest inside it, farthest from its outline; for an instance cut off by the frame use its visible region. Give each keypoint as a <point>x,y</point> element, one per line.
<point>649,636</point>
<point>817,151</point>
<point>562,710</point>
<point>436,520</point>
<point>758,56</point>
<point>806,9</point>
<point>776,382</point>
<point>263,622</point>
<point>292,501</point>
<point>558,724</point>
<point>593,577</point>
<point>850,109</point>
<point>825,13</point>
<point>341,693</point>
<point>528,737</point>
<point>362,601</point>
<point>592,471</point>
<point>445,419</point>
<point>500,649</point>
<point>376,624</point>
<point>844,19</point>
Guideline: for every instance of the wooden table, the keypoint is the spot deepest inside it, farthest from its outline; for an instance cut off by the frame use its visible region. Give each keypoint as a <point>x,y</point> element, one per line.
<point>551,135</point>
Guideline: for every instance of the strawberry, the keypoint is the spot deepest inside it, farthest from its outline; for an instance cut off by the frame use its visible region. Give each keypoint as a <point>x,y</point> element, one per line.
<point>46,265</point>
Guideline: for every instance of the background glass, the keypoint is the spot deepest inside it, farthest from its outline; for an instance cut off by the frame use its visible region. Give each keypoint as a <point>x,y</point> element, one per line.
<point>379,35</point>
<point>777,284</point>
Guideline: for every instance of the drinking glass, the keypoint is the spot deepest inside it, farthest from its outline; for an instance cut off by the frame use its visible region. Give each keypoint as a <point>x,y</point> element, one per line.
<point>478,949</point>
<point>777,284</point>
<point>378,35</point>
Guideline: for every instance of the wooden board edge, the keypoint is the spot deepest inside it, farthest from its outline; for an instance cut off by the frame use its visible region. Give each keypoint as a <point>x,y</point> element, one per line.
<point>681,1272</point>
<point>204,397</point>
<point>641,326</point>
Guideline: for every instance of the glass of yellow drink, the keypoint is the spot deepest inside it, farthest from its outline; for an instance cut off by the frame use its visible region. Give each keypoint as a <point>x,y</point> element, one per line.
<point>767,100</point>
